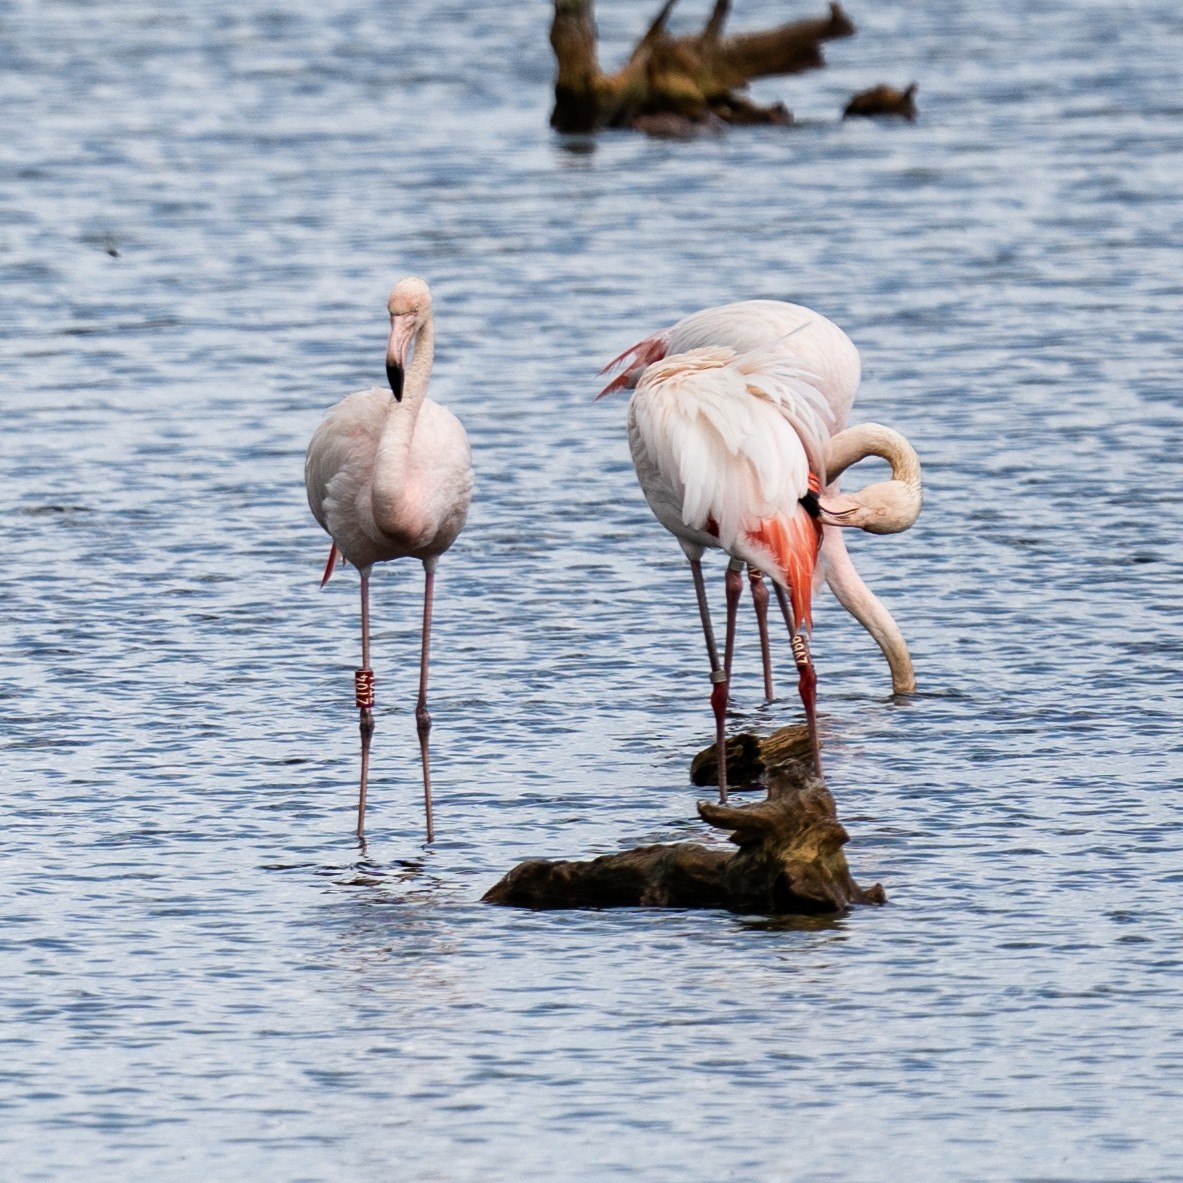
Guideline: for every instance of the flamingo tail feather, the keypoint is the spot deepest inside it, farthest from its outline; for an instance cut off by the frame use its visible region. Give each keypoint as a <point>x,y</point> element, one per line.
<point>644,353</point>
<point>334,553</point>
<point>793,545</point>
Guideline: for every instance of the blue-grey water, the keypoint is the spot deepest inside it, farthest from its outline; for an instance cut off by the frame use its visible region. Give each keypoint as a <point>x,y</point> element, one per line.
<point>202,975</point>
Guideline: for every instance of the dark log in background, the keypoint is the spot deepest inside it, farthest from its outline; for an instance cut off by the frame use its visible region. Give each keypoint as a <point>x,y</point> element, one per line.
<point>883,100</point>
<point>693,79</point>
<point>789,859</point>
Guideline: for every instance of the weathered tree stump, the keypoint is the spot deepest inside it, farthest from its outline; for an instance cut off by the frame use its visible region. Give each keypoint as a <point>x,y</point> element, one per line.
<point>668,80</point>
<point>789,859</point>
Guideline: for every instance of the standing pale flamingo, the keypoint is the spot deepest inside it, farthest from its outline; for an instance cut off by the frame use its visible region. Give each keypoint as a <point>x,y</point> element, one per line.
<point>730,451</point>
<point>820,347</point>
<point>389,476</point>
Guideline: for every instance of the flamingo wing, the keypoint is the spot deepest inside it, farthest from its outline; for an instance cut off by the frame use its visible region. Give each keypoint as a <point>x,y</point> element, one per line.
<point>338,473</point>
<point>730,442</point>
<point>742,326</point>
<point>816,343</point>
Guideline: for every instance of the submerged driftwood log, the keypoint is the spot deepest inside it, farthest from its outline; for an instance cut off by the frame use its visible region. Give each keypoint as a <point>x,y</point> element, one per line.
<point>692,79</point>
<point>883,100</point>
<point>789,859</point>
<point>753,762</point>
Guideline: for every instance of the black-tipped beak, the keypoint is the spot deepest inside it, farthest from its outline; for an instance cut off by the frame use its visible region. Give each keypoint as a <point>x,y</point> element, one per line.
<point>398,349</point>
<point>394,375</point>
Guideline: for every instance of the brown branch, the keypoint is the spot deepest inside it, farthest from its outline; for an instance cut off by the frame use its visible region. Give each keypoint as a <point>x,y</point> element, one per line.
<point>655,32</point>
<point>715,22</point>
<point>791,49</point>
<point>691,78</point>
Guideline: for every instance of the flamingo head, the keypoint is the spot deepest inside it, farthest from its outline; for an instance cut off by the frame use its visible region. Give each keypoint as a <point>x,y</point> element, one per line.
<point>889,507</point>
<point>885,508</point>
<point>409,306</point>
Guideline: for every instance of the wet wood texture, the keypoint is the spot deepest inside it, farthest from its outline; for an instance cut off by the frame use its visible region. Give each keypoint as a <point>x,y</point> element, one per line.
<point>788,858</point>
<point>688,80</point>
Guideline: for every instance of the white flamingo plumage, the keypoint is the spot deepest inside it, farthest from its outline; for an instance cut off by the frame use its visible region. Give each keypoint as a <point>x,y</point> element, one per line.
<point>823,350</point>
<point>389,476</point>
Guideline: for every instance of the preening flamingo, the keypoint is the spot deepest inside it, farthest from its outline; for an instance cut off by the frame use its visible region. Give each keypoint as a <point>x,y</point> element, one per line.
<point>389,476</point>
<point>731,452</point>
<point>725,445</point>
<point>820,347</point>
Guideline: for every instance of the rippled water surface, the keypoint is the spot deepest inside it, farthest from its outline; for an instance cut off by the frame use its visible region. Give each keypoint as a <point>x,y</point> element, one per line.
<point>204,977</point>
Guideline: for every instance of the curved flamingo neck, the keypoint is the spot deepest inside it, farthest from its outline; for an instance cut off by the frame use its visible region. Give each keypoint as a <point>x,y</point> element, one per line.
<point>872,439</point>
<point>866,607</point>
<point>398,430</point>
<point>419,371</point>
<point>884,508</point>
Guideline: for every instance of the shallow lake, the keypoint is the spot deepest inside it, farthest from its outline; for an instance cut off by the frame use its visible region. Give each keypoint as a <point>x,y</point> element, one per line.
<point>205,977</point>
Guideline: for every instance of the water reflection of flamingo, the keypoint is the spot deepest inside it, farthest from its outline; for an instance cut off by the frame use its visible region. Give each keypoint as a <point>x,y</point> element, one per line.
<point>391,478</point>
<point>820,347</point>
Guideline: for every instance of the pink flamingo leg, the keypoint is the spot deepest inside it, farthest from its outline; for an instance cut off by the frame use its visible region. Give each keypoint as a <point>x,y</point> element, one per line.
<point>807,680</point>
<point>364,690</point>
<point>718,677</point>
<point>734,588</point>
<point>760,603</point>
<point>422,717</point>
